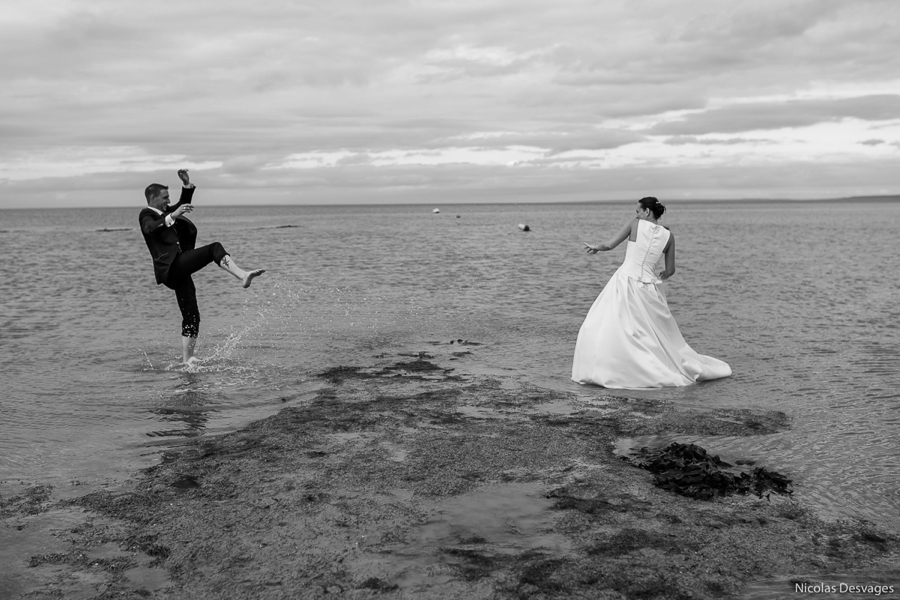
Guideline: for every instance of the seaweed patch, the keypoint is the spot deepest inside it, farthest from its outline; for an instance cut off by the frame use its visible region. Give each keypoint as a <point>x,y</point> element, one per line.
<point>419,368</point>
<point>691,471</point>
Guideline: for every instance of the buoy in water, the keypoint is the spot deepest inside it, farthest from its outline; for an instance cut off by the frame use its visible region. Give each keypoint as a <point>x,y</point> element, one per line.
<point>436,211</point>
<point>524,227</point>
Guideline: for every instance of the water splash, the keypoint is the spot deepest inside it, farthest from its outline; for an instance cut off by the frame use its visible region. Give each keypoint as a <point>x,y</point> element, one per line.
<point>147,358</point>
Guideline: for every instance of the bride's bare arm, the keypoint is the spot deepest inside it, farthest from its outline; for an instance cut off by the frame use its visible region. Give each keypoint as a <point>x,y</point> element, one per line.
<point>614,241</point>
<point>669,251</point>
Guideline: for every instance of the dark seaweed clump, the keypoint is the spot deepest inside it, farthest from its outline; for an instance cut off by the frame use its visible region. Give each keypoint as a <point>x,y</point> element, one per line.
<point>691,471</point>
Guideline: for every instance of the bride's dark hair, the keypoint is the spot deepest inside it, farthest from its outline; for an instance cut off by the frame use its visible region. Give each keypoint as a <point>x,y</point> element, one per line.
<point>653,205</point>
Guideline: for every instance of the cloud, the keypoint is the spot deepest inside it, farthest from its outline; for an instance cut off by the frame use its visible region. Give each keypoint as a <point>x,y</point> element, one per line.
<point>681,140</point>
<point>779,115</point>
<point>79,162</point>
<point>438,94</point>
<point>758,24</point>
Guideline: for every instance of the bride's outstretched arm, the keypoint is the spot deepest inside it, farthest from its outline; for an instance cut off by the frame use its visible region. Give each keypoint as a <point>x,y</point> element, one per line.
<point>614,241</point>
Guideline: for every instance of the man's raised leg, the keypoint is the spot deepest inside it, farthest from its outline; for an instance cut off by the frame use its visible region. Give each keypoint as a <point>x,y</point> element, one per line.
<point>246,277</point>
<point>194,260</point>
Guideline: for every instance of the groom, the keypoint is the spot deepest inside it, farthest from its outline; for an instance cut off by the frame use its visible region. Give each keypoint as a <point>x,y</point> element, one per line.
<point>170,237</point>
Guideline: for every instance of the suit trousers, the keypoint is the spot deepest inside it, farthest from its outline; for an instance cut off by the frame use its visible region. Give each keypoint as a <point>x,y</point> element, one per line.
<point>179,279</point>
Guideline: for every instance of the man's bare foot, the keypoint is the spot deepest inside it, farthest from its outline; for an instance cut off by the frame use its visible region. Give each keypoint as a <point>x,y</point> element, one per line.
<point>192,362</point>
<point>251,275</point>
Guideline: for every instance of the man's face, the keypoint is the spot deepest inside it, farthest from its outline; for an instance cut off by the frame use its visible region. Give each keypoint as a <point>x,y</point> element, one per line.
<point>161,201</point>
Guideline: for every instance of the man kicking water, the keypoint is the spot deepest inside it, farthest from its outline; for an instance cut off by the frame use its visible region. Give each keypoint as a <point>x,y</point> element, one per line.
<point>170,237</point>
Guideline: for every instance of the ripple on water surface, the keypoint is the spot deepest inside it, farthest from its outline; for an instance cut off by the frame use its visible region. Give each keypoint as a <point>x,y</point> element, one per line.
<point>513,517</point>
<point>808,324</point>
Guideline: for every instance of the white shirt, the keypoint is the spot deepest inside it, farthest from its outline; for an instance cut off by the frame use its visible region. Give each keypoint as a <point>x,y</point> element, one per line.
<point>170,220</point>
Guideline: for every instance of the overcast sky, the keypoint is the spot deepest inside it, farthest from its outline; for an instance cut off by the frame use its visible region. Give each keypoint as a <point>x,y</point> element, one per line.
<point>379,101</point>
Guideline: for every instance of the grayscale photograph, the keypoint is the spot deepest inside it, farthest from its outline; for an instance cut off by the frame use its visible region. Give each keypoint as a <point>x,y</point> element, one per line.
<point>449,299</point>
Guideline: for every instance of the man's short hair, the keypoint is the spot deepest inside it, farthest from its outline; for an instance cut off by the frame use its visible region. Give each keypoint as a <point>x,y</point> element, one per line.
<point>153,190</point>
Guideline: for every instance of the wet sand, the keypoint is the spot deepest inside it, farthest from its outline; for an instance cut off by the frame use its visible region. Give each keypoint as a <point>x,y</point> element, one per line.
<point>408,479</point>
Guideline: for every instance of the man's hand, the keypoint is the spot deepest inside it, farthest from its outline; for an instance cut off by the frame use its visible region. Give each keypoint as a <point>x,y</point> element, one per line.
<point>184,208</point>
<point>185,178</point>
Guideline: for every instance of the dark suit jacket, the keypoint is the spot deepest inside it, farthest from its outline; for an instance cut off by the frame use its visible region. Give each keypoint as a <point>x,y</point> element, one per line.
<point>165,243</point>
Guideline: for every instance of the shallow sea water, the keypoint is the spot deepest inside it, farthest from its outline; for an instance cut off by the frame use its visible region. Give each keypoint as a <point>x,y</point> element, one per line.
<point>800,299</point>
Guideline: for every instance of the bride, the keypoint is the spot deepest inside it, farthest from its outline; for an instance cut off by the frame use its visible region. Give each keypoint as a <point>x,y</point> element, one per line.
<point>629,338</point>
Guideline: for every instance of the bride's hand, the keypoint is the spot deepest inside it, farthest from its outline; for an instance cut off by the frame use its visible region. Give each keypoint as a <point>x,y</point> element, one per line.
<point>590,249</point>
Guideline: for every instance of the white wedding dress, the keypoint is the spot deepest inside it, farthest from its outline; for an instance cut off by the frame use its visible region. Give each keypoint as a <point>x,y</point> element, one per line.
<point>629,339</point>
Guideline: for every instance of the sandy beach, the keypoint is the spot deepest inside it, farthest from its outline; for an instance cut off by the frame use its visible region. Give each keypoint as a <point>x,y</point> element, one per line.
<point>406,478</point>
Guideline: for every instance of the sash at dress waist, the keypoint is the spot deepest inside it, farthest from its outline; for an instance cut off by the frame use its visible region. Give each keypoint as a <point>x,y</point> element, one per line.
<point>640,275</point>
<point>647,281</point>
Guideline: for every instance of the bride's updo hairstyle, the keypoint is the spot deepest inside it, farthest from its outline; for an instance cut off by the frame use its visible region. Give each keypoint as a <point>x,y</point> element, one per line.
<point>653,205</point>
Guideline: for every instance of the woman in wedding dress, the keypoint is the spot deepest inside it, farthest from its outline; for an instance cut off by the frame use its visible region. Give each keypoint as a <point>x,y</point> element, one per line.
<point>629,338</point>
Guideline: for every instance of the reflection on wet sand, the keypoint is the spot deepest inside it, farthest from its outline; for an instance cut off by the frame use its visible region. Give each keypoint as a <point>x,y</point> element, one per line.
<point>189,405</point>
